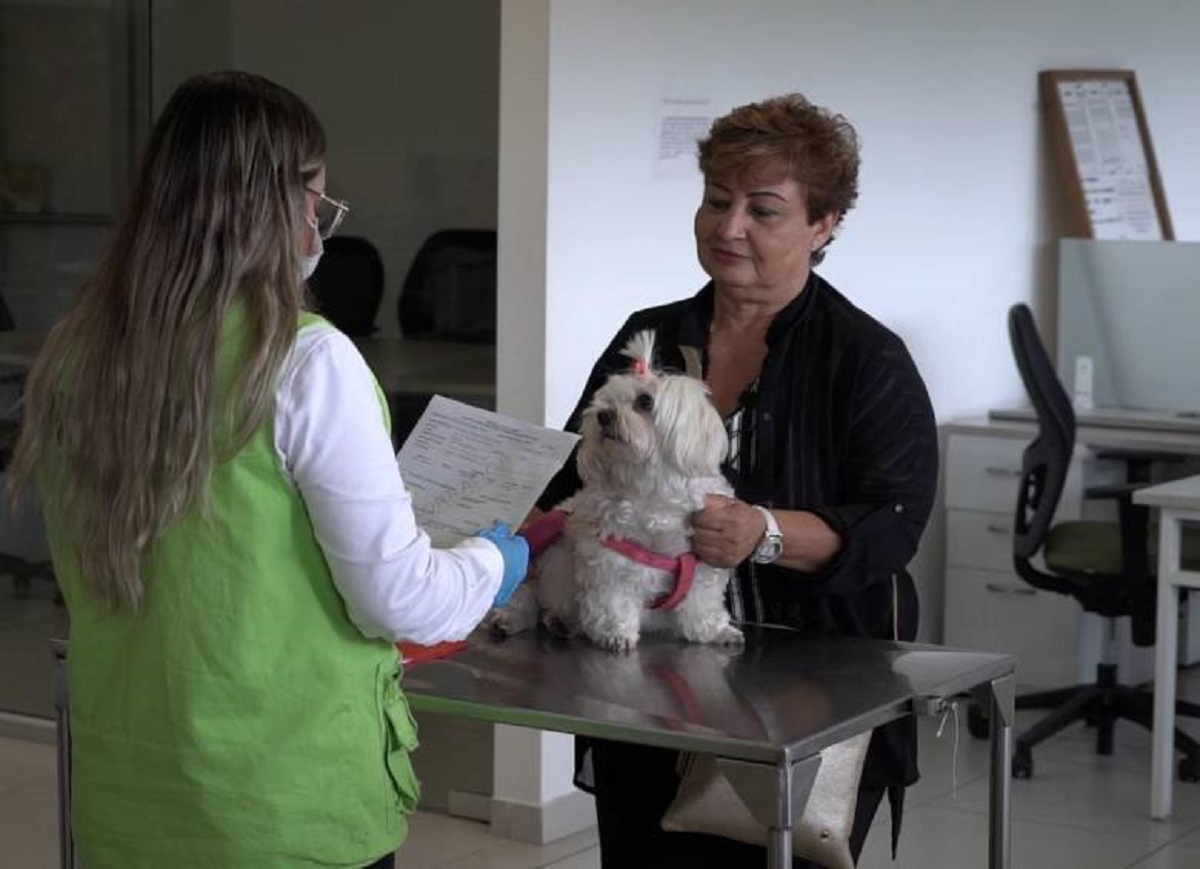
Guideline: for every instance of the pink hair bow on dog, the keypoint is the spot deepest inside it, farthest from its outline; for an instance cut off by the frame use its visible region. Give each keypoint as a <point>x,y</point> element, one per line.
<point>640,351</point>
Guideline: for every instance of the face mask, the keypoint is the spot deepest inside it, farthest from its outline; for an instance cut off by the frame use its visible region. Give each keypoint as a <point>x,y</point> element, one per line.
<point>308,263</point>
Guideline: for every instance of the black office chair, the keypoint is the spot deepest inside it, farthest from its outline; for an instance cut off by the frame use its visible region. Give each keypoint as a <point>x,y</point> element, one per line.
<point>449,292</point>
<point>1105,566</point>
<point>347,285</point>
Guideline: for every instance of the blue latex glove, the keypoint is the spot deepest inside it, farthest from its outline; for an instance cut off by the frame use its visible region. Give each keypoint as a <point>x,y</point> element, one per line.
<point>515,551</point>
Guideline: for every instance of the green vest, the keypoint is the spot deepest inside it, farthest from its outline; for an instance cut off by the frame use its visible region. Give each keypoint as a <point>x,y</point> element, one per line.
<point>239,719</point>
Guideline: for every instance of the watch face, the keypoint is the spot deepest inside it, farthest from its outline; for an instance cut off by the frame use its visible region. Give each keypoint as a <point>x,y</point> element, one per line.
<point>769,550</point>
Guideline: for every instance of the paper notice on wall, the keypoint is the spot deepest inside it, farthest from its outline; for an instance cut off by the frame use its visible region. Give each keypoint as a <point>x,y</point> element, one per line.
<point>681,120</point>
<point>466,467</point>
<point>1103,127</point>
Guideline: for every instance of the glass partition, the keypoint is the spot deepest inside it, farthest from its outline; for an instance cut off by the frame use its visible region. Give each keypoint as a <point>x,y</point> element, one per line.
<point>1127,311</point>
<point>70,110</point>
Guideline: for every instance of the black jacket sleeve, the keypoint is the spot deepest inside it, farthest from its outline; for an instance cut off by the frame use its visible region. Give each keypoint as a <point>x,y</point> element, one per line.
<point>889,472</point>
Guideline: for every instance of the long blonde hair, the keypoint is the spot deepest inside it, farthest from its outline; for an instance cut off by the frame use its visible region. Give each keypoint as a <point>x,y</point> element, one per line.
<point>122,395</point>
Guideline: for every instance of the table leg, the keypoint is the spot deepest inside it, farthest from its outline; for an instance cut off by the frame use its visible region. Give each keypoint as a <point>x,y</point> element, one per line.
<point>1165,640</point>
<point>62,720</point>
<point>779,848</point>
<point>999,695</point>
<point>776,797</point>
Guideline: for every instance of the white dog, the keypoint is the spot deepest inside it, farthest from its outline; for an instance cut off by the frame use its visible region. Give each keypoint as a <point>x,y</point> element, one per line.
<point>651,451</point>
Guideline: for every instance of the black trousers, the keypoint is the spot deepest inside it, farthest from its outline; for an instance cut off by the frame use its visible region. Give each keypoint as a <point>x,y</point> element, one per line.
<point>386,862</point>
<point>635,784</point>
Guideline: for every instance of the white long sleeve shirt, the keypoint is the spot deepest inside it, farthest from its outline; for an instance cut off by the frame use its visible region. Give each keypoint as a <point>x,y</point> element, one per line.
<point>332,443</point>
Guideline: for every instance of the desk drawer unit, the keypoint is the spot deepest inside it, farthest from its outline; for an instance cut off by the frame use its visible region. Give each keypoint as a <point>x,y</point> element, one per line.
<point>979,540</point>
<point>998,612</point>
<point>987,606</point>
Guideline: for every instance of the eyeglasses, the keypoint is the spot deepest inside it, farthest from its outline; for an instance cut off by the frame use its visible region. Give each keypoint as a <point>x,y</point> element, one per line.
<point>330,213</point>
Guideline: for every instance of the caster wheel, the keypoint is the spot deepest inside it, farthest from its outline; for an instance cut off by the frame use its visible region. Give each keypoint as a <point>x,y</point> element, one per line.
<point>1189,769</point>
<point>978,724</point>
<point>1022,764</point>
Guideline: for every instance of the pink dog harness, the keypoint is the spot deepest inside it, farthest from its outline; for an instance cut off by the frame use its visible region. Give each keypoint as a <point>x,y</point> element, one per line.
<point>546,530</point>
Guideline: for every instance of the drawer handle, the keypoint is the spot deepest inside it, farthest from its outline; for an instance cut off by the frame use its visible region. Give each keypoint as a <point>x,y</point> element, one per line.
<point>995,471</point>
<point>1010,589</point>
<point>999,529</point>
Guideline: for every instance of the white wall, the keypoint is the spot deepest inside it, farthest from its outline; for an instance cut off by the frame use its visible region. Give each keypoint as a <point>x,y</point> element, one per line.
<point>959,207</point>
<point>951,226</point>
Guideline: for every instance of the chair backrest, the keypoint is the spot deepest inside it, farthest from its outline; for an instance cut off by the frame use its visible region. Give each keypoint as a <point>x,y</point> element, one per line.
<point>348,284</point>
<point>6,320</point>
<point>450,289</point>
<point>1047,459</point>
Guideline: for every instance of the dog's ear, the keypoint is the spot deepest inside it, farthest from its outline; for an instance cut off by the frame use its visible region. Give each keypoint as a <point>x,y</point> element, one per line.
<point>692,365</point>
<point>693,433</point>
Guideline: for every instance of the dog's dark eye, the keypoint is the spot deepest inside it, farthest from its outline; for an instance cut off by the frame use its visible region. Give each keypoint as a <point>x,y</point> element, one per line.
<point>644,403</point>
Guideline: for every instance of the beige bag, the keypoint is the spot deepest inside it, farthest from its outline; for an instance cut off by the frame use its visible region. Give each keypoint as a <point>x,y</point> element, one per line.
<point>707,803</point>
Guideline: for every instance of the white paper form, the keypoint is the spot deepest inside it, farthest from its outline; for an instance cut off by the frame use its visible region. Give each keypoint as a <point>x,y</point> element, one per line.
<point>1103,128</point>
<point>466,467</point>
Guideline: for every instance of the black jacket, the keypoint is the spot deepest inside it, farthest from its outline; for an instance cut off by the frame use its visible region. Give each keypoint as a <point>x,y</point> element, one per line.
<point>840,424</point>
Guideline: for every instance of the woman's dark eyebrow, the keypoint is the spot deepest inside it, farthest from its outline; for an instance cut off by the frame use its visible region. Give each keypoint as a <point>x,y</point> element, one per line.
<point>752,193</point>
<point>771,193</point>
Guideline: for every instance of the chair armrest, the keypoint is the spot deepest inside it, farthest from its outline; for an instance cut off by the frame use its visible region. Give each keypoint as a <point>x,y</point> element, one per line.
<point>1152,456</point>
<point>1139,462</point>
<point>1113,491</point>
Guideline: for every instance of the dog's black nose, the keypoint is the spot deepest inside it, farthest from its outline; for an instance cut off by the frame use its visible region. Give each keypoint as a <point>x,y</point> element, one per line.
<point>606,418</point>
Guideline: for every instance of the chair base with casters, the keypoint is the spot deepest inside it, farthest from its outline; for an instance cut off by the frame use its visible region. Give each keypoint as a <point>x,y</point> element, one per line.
<point>1104,566</point>
<point>1100,704</point>
<point>1072,547</point>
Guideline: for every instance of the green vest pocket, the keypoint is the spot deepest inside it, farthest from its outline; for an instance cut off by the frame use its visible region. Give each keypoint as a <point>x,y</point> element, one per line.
<point>401,741</point>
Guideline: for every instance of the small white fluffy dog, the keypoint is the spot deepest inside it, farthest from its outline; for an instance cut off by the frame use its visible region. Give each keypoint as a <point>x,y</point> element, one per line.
<point>651,450</point>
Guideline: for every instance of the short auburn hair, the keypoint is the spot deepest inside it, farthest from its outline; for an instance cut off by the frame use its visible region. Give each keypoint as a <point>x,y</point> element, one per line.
<point>816,148</point>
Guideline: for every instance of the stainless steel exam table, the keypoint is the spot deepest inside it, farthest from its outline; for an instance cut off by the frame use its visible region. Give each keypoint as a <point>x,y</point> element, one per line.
<point>765,711</point>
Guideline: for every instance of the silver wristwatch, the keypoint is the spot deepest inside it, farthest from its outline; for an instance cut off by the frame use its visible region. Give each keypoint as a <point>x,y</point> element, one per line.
<point>771,546</point>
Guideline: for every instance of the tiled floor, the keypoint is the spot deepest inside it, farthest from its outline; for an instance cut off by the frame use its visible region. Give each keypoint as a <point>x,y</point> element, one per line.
<point>1079,810</point>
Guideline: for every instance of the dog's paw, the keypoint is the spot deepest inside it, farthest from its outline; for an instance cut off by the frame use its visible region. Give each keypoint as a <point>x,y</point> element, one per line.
<point>500,623</point>
<point>729,636</point>
<point>622,644</point>
<point>557,627</point>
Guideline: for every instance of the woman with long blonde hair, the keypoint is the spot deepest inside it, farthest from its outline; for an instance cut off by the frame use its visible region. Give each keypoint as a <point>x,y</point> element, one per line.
<point>235,545</point>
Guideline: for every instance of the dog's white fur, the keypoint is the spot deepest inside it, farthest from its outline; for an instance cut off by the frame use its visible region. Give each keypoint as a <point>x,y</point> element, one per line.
<point>651,450</point>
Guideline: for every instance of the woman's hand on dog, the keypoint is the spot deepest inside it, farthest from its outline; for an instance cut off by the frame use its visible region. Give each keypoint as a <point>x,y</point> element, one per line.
<point>727,531</point>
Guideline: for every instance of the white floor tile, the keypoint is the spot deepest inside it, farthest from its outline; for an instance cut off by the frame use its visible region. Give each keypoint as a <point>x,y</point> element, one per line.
<point>937,838</point>
<point>1088,796</point>
<point>1171,856</point>
<point>25,764</point>
<point>1078,810</point>
<point>589,859</point>
<point>28,810</point>
<point>441,842</point>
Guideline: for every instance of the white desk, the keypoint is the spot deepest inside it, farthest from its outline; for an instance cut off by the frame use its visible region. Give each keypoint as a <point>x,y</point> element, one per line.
<point>1178,502</point>
<point>405,365</point>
